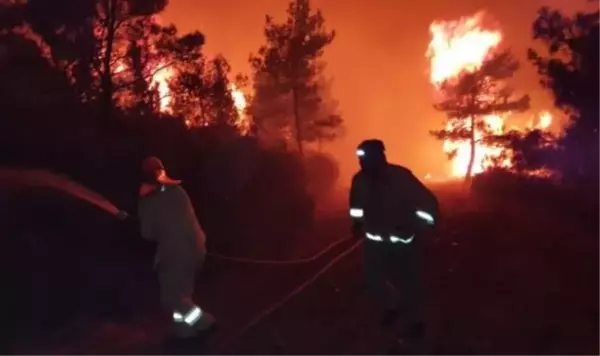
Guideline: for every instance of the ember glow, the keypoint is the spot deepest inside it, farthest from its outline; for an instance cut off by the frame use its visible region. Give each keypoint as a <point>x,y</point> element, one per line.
<point>459,46</point>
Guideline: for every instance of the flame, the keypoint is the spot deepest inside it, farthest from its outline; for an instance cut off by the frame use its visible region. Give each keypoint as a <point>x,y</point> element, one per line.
<point>239,100</point>
<point>120,68</point>
<point>457,46</point>
<point>543,121</point>
<point>240,103</point>
<point>463,45</point>
<point>484,154</point>
<point>160,80</point>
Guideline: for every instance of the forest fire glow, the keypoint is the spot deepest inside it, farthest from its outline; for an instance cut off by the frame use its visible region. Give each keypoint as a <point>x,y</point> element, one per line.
<point>456,47</point>
<point>160,82</point>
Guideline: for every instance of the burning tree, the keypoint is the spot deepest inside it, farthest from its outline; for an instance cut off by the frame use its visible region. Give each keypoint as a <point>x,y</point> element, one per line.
<point>530,151</point>
<point>119,58</point>
<point>205,96</point>
<point>88,37</point>
<point>471,77</point>
<point>288,78</point>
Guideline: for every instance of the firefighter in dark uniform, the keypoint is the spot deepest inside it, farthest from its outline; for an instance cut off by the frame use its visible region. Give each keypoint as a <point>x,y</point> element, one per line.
<point>391,209</point>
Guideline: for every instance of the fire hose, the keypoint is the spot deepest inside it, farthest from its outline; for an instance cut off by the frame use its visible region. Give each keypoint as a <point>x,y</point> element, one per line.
<point>299,288</point>
<point>124,215</point>
<point>280,262</point>
<point>48,179</point>
<point>273,307</point>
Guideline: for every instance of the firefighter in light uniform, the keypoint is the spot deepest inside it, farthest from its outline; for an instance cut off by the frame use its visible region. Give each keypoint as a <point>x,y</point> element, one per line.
<point>391,208</point>
<point>167,216</point>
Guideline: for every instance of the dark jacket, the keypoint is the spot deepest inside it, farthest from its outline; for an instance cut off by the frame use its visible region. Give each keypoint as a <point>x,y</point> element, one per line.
<point>167,216</point>
<point>389,202</point>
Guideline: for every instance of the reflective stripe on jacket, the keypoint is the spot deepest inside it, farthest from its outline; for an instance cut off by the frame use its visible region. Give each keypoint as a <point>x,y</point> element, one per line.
<point>391,204</point>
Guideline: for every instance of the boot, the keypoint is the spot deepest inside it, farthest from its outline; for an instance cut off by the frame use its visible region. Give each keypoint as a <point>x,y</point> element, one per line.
<point>207,322</point>
<point>184,331</point>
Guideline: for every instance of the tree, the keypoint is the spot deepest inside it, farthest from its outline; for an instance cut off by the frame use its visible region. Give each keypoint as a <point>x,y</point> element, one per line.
<point>24,59</point>
<point>531,151</point>
<point>472,96</point>
<point>327,124</point>
<point>288,78</point>
<point>568,64</point>
<point>153,51</point>
<point>89,38</point>
<point>202,92</point>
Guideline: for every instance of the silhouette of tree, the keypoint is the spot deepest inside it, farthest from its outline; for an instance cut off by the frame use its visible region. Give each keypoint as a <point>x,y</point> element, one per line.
<point>288,74</point>
<point>152,50</point>
<point>474,95</point>
<point>202,93</point>
<point>89,38</point>
<point>568,65</point>
<point>531,151</point>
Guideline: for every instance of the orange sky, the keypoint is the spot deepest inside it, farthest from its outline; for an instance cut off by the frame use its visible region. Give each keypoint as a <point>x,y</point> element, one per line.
<point>377,61</point>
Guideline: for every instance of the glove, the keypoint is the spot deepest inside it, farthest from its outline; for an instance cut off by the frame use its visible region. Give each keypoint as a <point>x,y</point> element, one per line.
<point>122,215</point>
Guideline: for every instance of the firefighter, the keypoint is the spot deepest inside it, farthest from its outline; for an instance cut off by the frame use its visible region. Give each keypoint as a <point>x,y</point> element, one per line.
<point>391,209</point>
<point>167,216</point>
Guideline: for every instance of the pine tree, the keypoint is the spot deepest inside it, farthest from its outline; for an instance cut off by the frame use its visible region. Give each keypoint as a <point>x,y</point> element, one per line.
<point>474,95</point>
<point>288,78</point>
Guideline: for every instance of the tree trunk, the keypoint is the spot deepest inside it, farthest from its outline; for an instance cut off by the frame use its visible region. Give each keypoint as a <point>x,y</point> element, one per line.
<point>297,121</point>
<point>106,81</point>
<point>469,174</point>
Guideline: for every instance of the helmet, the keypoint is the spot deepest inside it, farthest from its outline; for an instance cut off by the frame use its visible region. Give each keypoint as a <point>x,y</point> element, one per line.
<point>371,156</point>
<point>153,172</point>
<point>151,165</point>
<point>370,147</point>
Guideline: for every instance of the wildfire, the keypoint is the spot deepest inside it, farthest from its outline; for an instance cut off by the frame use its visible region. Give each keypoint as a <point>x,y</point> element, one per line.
<point>240,103</point>
<point>455,47</point>
<point>543,122</point>
<point>483,153</point>
<point>160,80</point>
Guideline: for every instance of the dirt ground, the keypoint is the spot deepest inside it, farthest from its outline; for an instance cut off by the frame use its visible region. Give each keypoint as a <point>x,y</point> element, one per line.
<point>503,277</point>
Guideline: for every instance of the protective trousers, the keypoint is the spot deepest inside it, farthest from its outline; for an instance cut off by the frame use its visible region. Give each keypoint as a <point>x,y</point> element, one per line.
<point>398,264</point>
<point>177,280</point>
